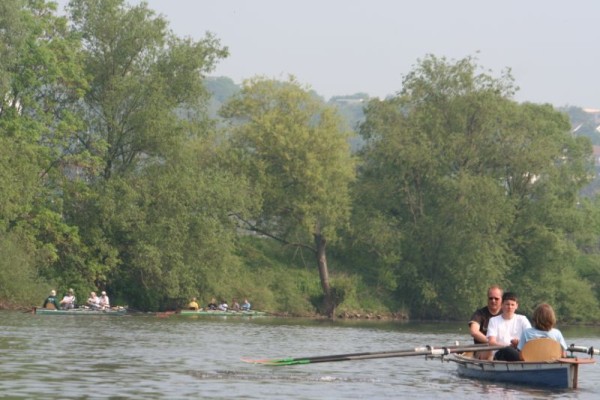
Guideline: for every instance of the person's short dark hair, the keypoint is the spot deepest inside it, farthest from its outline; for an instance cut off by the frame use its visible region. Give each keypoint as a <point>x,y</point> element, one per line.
<point>544,318</point>
<point>510,296</point>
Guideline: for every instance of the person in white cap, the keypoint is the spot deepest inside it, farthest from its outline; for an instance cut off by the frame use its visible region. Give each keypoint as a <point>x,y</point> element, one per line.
<point>51,301</point>
<point>104,302</point>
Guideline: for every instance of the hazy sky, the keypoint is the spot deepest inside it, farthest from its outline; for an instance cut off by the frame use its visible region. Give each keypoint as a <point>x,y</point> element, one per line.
<point>340,47</point>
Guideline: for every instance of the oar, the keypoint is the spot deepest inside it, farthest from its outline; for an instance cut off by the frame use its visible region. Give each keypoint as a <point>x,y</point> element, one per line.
<point>582,349</point>
<point>419,351</point>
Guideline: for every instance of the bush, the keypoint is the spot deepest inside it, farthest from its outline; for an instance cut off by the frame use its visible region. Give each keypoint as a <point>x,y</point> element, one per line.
<point>19,283</point>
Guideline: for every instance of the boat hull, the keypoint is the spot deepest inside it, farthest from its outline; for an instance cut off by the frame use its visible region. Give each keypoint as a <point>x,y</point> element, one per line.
<point>80,312</point>
<point>219,313</point>
<point>559,374</point>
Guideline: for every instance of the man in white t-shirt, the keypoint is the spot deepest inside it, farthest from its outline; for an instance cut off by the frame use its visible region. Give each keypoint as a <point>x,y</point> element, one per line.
<point>506,328</point>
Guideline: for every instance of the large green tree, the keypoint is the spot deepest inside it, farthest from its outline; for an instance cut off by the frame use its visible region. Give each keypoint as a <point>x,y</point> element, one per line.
<point>478,188</point>
<point>294,149</point>
<point>144,207</point>
<point>40,80</point>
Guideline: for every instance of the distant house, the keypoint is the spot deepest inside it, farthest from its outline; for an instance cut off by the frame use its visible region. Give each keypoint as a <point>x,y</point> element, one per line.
<point>348,100</point>
<point>596,155</point>
<point>595,113</point>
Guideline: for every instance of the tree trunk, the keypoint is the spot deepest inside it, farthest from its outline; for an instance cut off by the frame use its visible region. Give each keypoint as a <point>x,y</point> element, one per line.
<point>328,301</point>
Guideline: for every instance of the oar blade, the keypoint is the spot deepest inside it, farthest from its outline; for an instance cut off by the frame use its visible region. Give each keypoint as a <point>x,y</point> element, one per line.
<point>255,361</point>
<point>275,361</point>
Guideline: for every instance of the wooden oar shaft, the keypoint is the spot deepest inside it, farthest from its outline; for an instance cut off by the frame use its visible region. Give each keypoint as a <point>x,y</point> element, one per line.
<point>367,356</point>
<point>426,350</point>
<point>353,355</point>
<point>442,351</point>
<point>419,351</point>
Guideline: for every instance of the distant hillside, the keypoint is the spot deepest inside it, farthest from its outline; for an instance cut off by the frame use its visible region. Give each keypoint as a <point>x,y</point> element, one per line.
<point>585,122</point>
<point>350,106</point>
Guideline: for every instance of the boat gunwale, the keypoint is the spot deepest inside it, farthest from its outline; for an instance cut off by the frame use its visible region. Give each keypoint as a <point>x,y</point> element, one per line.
<point>78,311</point>
<point>222,313</point>
<point>461,359</point>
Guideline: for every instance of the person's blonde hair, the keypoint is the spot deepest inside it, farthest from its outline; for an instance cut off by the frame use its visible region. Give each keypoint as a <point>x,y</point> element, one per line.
<point>544,318</point>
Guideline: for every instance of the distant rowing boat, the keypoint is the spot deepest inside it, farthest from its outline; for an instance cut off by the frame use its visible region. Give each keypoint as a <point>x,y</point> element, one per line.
<point>220,313</point>
<point>81,311</point>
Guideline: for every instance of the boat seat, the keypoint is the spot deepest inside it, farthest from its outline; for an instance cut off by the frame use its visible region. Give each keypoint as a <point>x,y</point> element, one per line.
<point>50,306</point>
<point>543,349</point>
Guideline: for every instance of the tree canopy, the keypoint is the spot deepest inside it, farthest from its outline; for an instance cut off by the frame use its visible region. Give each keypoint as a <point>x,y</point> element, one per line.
<point>478,187</point>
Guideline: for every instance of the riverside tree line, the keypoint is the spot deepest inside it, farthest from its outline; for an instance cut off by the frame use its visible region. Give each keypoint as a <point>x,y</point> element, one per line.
<point>115,177</point>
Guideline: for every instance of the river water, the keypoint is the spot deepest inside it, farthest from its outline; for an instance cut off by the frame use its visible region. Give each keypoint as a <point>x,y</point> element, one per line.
<point>177,357</point>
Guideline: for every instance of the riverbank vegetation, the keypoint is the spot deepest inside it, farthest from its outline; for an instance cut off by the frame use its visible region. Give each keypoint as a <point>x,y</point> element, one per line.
<point>119,174</point>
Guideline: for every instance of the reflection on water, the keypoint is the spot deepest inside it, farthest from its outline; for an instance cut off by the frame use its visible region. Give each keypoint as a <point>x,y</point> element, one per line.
<point>265,376</point>
<point>145,357</point>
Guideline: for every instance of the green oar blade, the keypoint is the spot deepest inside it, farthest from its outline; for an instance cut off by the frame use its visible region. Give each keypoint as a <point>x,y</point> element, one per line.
<point>277,361</point>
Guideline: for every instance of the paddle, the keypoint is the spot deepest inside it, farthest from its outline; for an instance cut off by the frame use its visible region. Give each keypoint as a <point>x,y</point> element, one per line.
<point>582,349</point>
<point>419,351</point>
